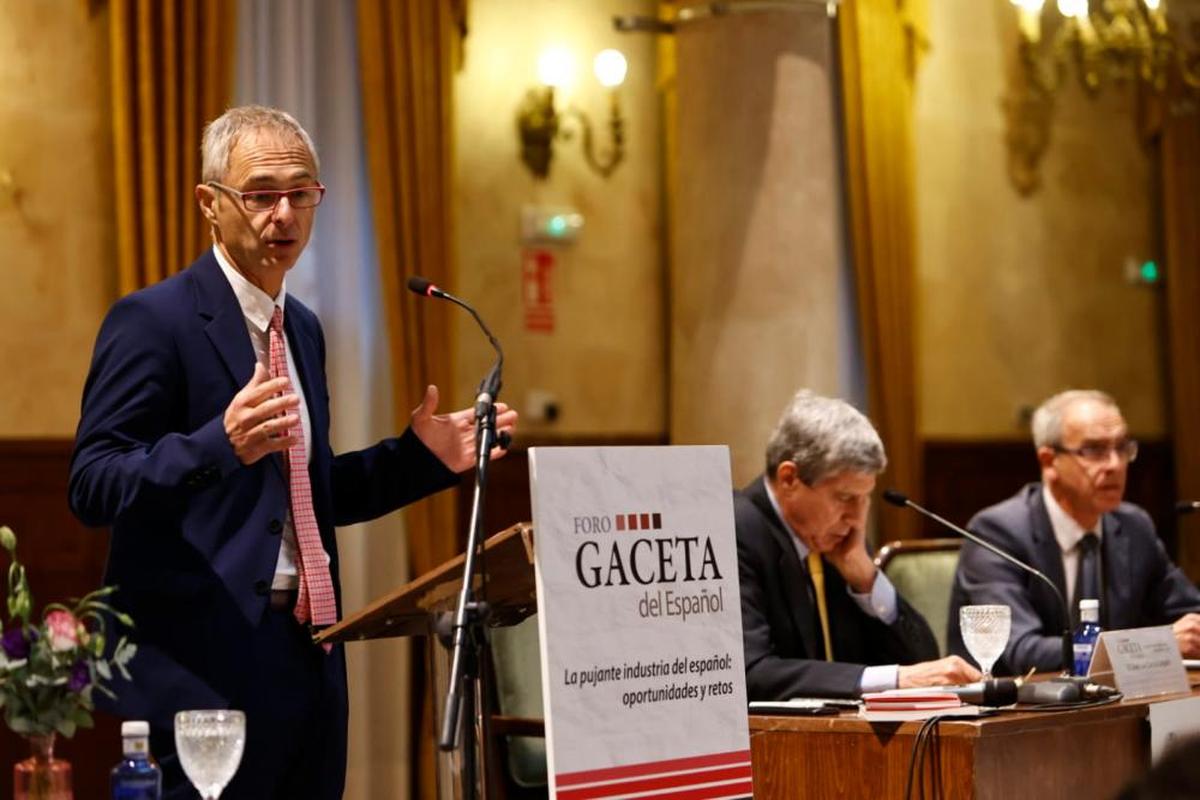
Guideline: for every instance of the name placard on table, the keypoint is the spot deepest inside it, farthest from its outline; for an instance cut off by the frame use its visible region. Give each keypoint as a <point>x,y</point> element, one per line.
<point>1140,662</point>
<point>639,615</point>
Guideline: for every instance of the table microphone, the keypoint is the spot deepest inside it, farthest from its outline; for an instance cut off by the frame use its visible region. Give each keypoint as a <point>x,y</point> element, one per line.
<point>1186,506</point>
<point>1068,650</point>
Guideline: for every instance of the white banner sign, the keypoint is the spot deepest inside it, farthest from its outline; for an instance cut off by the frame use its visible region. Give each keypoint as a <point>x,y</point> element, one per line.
<point>1142,662</point>
<point>639,615</point>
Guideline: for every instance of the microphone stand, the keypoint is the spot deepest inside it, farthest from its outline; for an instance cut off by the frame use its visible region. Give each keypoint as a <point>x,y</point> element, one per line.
<point>470,615</point>
<point>1068,649</point>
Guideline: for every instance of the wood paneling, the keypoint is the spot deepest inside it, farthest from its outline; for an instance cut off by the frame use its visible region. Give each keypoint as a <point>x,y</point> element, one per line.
<point>964,477</point>
<point>63,559</point>
<point>1088,752</point>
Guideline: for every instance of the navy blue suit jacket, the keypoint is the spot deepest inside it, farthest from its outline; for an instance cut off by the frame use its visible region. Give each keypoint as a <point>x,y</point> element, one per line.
<point>1141,585</point>
<point>195,533</point>
<point>781,631</point>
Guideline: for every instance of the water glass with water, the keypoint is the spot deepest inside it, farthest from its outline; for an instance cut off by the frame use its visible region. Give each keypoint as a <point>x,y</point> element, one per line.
<point>209,745</point>
<point>985,631</point>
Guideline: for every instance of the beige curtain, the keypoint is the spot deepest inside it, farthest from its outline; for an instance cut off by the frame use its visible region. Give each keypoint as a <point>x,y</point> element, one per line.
<point>172,71</point>
<point>881,42</point>
<point>408,50</point>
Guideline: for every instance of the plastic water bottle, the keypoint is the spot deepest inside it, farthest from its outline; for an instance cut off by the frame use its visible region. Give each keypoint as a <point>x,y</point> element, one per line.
<point>137,777</point>
<point>1086,634</point>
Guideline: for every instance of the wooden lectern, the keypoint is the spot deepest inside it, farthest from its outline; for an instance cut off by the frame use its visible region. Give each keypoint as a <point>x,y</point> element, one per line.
<point>506,567</point>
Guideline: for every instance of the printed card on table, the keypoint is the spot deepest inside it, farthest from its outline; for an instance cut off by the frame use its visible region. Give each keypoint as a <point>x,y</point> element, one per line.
<point>640,622</point>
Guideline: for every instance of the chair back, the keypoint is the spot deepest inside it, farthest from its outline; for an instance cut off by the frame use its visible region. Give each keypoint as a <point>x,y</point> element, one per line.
<point>922,570</point>
<point>518,670</point>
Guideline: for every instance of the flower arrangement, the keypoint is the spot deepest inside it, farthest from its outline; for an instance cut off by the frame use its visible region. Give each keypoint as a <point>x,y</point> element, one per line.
<point>49,670</point>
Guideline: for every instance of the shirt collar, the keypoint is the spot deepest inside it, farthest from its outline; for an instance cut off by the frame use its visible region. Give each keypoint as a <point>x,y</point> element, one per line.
<point>801,547</point>
<point>1067,531</point>
<point>257,305</point>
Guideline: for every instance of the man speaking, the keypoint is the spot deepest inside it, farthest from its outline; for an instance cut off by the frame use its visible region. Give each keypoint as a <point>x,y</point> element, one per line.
<point>818,619</point>
<point>204,443</point>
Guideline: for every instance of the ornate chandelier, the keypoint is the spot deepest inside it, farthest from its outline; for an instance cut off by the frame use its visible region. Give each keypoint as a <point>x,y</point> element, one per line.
<point>1112,40</point>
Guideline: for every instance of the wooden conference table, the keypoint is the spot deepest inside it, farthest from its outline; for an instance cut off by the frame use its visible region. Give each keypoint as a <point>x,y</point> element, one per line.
<point>1088,752</point>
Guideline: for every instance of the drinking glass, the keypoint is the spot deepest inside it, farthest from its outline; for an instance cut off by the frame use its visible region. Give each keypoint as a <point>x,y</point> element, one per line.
<point>985,632</point>
<point>209,744</point>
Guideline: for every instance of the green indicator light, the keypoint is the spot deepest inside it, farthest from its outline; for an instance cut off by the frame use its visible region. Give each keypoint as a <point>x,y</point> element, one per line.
<point>1150,272</point>
<point>557,225</point>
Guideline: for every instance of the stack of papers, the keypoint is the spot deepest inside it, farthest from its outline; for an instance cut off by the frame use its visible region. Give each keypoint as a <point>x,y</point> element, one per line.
<point>910,700</point>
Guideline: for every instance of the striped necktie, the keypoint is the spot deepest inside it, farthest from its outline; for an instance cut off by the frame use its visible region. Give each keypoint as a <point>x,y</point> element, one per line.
<point>315,601</point>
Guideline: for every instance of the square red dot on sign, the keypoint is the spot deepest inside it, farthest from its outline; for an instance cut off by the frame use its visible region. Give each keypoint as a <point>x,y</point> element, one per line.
<point>645,522</point>
<point>633,522</point>
<point>657,521</point>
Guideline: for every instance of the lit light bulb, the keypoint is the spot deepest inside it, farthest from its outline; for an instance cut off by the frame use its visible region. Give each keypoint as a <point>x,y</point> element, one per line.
<point>556,67</point>
<point>1034,6</point>
<point>1073,8</point>
<point>610,67</point>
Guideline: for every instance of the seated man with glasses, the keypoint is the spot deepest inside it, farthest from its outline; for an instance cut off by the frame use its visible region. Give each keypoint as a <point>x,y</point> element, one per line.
<point>1073,527</point>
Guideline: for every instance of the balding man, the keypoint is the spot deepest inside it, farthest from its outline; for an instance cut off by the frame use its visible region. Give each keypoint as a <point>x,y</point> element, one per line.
<point>204,444</point>
<point>1074,527</point>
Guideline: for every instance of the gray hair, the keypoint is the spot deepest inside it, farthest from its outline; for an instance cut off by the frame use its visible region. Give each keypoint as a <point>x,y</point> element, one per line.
<point>222,135</point>
<point>824,436</point>
<point>1047,421</point>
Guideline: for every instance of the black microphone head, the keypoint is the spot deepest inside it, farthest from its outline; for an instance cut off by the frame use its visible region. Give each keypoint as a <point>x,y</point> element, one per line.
<point>895,498</point>
<point>1186,506</point>
<point>421,285</point>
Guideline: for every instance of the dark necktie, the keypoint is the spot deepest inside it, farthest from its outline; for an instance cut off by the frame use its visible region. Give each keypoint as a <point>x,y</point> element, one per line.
<point>1087,578</point>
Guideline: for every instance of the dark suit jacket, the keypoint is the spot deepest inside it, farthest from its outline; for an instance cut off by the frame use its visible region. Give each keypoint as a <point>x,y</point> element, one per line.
<point>195,534</point>
<point>1141,585</point>
<point>780,628</point>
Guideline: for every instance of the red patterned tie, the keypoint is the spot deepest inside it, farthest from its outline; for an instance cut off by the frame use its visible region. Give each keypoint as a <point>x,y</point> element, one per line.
<point>316,600</point>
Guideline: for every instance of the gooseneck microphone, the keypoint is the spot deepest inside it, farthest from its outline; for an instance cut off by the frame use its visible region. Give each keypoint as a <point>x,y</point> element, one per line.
<point>1068,651</point>
<point>1187,506</point>
<point>489,388</point>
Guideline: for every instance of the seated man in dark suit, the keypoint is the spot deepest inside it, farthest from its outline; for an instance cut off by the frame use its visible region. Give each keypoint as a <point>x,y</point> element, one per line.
<point>818,619</point>
<point>1073,527</point>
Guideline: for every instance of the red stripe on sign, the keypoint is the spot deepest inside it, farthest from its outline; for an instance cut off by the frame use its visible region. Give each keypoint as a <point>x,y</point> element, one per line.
<point>677,780</point>
<point>620,522</point>
<point>633,520</point>
<point>657,518</point>
<point>652,768</point>
<point>742,790</point>
<point>645,522</point>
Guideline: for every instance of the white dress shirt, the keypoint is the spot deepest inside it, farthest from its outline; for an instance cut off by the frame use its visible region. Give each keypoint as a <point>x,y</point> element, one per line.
<point>879,603</point>
<point>1068,533</point>
<point>258,307</point>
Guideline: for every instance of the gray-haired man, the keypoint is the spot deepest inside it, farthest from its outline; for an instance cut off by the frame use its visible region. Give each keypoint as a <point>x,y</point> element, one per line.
<point>818,619</point>
<point>1074,527</point>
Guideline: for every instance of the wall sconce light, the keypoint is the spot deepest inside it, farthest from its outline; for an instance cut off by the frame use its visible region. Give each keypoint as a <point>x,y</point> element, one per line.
<point>539,123</point>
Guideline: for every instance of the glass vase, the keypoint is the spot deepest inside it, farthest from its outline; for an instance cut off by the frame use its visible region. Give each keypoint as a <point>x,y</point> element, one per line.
<point>42,776</point>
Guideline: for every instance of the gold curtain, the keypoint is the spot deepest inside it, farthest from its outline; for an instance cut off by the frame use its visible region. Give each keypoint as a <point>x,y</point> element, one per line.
<point>408,50</point>
<point>172,71</point>
<point>1178,137</point>
<point>881,42</point>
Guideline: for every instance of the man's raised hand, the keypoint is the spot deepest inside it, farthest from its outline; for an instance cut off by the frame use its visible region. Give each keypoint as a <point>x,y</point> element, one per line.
<point>261,416</point>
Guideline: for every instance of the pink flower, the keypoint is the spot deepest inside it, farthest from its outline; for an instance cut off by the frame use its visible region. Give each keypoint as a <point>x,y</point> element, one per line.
<point>62,628</point>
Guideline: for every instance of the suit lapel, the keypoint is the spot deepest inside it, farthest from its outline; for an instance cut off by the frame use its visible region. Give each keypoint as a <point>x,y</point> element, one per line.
<point>794,577</point>
<point>1047,555</point>
<point>1118,608</point>
<point>225,326</point>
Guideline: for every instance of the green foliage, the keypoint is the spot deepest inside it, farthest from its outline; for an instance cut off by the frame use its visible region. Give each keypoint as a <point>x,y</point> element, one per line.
<point>50,668</point>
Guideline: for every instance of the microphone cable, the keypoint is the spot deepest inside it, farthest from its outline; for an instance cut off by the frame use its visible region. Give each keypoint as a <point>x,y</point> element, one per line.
<point>926,750</point>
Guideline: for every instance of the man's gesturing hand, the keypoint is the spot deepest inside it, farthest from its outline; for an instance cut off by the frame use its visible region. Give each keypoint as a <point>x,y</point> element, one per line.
<point>451,437</point>
<point>261,416</point>
<point>943,672</point>
<point>1187,633</point>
